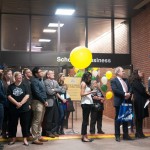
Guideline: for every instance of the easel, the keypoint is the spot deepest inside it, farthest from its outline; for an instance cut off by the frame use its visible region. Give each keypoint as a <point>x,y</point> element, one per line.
<point>72,130</point>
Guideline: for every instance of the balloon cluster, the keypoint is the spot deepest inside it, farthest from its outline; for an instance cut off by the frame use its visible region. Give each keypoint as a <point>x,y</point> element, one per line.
<point>104,87</point>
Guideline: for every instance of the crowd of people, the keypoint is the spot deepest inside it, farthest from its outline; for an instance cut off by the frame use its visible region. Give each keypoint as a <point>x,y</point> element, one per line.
<point>134,92</point>
<point>130,91</point>
<point>40,103</point>
<point>36,100</point>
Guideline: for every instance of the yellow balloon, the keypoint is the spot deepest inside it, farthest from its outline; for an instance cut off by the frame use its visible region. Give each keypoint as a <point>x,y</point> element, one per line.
<point>108,75</point>
<point>81,57</point>
<point>109,95</point>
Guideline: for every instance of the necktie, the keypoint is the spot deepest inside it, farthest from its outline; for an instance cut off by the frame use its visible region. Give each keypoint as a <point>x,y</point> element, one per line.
<point>124,85</point>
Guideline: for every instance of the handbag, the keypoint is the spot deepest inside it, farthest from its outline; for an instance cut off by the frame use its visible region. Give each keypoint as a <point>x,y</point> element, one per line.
<point>69,104</point>
<point>97,107</point>
<point>125,112</point>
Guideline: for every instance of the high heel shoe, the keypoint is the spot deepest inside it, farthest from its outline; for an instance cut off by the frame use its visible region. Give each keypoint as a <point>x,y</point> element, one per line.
<point>88,140</point>
<point>26,144</point>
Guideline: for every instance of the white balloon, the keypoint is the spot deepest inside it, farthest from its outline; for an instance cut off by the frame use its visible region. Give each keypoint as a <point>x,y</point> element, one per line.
<point>94,73</point>
<point>104,80</point>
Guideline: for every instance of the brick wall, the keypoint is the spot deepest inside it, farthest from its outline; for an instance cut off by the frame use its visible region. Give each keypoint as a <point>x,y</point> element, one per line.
<point>140,46</point>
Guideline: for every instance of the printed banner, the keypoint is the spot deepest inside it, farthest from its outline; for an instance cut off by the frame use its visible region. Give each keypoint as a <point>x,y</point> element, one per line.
<point>73,84</point>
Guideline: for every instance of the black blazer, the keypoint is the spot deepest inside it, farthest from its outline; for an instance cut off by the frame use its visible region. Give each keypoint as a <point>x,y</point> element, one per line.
<point>140,98</point>
<point>3,97</point>
<point>117,89</point>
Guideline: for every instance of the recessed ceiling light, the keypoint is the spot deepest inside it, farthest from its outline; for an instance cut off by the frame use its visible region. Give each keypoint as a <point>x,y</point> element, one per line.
<point>49,30</point>
<point>55,25</point>
<point>44,40</point>
<point>62,11</point>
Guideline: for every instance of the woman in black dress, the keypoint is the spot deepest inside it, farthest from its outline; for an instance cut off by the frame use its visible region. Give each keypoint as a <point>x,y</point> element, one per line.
<point>140,97</point>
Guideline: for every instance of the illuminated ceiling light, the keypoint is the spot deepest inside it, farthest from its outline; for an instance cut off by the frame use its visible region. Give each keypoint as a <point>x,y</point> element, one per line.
<point>63,11</point>
<point>55,25</point>
<point>44,40</point>
<point>49,30</point>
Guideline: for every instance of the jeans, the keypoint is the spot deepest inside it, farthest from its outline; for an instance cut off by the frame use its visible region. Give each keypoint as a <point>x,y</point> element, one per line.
<point>61,115</point>
<point>1,116</point>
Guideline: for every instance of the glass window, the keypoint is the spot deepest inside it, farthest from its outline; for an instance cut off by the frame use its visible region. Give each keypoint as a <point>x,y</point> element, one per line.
<point>38,24</point>
<point>121,36</point>
<point>99,35</point>
<point>15,33</point>
<point>72,34</point>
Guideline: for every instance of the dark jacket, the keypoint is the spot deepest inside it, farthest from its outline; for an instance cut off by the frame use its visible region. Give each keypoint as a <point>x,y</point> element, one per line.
<point>28,84</point>
<point>38,90</point>
<point>3,97</point>
<point>119,94</point>
<point>149,85</point>
<point>140,98</point>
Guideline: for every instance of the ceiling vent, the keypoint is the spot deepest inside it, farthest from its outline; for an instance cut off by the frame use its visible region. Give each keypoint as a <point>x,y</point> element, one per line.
<point>141,4</point>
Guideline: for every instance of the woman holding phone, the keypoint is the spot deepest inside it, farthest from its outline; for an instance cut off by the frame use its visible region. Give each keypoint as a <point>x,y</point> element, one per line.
<point>86,104</point>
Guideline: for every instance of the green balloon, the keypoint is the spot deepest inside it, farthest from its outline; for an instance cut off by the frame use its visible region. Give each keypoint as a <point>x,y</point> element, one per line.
<point>79,74</point>
<point>104,88</point>
<point>93,78</point>
<point>89,69</point>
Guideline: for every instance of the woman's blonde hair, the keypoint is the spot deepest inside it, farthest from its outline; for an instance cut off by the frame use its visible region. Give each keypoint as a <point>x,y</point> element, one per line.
<point>15,74</point>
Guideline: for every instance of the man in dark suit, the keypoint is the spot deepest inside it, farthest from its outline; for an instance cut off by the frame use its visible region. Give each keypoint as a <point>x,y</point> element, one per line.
<point>120,88</point>
<point>2,100</point>
<point>51,117</point>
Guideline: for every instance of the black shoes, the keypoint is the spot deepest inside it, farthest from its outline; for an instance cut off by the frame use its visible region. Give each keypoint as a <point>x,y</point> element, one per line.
<point>101,132</point>
<point>118,138</point>
<point>127,137</point>
<point>55,134</point>
<point>140,136</point>
<point>61,132</point>
<point>50,135</point>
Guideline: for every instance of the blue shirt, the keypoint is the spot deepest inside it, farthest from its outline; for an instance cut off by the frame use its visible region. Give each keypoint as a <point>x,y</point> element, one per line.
<point>38,90</point>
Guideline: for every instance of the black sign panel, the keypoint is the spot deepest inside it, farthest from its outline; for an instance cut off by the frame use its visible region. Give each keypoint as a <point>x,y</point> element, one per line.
<point>55,59</point>
<point>110,60</point>
<point>102,60</point>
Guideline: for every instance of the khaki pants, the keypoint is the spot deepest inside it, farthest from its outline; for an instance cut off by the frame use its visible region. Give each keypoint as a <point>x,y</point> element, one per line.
<point>38,115</point>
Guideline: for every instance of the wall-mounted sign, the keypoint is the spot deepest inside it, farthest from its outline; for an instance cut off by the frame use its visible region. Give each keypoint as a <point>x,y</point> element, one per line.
<point>55,59</point>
